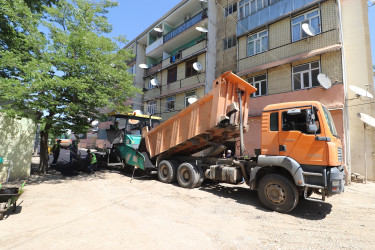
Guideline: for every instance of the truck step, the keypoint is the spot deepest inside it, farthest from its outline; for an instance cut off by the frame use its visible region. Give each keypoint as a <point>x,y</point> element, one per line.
<point>113,164</point>
<point>314,186</point>
<point>312,174</point>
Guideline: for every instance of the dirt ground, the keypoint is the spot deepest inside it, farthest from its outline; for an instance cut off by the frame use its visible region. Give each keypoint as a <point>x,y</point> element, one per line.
<point>111,210</point>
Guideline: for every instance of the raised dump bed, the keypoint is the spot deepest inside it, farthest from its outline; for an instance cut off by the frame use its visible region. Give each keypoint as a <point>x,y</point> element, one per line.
<point>211,120</point>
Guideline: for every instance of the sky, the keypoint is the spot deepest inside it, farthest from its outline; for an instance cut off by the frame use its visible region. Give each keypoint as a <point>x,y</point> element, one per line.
<point>132,17</point>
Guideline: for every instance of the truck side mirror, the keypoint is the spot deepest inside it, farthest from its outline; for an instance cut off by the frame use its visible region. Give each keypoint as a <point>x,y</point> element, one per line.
<point>310,121</point>
<point>312,128</point>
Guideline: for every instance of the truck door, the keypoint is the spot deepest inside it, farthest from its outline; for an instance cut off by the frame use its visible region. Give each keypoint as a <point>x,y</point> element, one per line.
<point>296,142</point>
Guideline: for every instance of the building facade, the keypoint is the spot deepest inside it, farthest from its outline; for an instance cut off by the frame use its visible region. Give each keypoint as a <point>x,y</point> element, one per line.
<point>264,42</point>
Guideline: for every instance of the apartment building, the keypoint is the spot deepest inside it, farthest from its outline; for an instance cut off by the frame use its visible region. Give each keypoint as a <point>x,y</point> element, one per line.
<point>279,58</point>
<point>168,55</point>
<point>263,41</point>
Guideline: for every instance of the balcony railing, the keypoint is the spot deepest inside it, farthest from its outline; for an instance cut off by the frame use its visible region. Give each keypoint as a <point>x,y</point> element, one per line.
<point>186,25</point>
<point>153,69</point>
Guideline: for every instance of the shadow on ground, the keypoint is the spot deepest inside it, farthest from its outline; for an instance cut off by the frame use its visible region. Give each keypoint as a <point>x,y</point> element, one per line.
<point>309,210</point>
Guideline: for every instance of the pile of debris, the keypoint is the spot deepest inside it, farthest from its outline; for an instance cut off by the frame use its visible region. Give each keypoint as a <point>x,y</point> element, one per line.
<point>357,178</point>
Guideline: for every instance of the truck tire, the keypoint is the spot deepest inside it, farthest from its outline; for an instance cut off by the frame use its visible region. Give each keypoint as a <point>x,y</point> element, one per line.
<point>188,175</point>
<point>167,171</point>
<point>277,193</point>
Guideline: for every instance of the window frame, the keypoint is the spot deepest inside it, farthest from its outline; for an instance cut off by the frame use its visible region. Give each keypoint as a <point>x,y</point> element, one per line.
<point>253,82</point>
<point>301,73</point>
<point>231,40</point>
<point>254,41</point>
<point>189,69</point>
<point>150,86</point>
<point>187,96</point>
<point>230,9</point>
<point>152,107</point>
<point>170,99</point>
<point>172,75</point>
<point>302,34</point>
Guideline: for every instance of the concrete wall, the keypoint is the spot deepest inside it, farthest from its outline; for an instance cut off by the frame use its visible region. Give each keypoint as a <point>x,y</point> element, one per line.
<point>16,145</point>
<point>225,59</point>
<point>357,56</point>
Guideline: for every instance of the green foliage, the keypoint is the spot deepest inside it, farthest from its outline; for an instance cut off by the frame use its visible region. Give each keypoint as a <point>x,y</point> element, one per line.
<point>60,65</point>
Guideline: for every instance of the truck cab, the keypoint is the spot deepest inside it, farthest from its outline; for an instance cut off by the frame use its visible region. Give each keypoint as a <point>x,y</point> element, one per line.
<point>301,137</point>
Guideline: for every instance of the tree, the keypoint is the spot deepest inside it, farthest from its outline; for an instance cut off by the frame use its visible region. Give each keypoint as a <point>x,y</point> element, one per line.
<point>70,70</point>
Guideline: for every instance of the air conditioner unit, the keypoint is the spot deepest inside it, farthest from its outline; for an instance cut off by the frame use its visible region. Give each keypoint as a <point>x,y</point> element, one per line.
<point>187,17</point>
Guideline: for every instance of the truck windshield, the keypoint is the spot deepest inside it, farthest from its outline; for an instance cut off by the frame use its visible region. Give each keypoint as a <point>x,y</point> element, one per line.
<point>330,122</point>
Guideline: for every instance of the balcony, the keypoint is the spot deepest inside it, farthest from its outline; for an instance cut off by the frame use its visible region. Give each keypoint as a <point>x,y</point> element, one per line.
<point>269,13</point>
<point>154,45</point>
<point>153,69</point>
<point>186,25</point>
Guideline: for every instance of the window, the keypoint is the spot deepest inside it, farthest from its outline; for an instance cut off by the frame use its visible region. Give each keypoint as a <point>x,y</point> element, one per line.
<point>131,69</point>
<point>257,43</point>
<point>190,71</point>
<point>172,75</point>
<point>170,104</point>
<point>151,107</point>
<point>297,122</point>
<point>229,42</point>
<point>231,8</point>
<point>248,7</point>
<point>189,95</point>
<point>274,122</point>
<point>306,75</point>
<point>312,18</point>
<point>259,82</point>
<point>150,85</point>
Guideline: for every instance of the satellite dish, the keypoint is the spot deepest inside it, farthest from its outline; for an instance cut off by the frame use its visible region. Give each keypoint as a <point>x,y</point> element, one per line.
<point>201,29</point>
<point>308,29</point>
<point>143,66</point>
<point>95,123</point>
<point>135,112</point>
<point>197,66</point>
<point>158,30</point>
<point>192,99</point>
<point>324,81</point>
<point>154,82</point>
<point>361,92</point>
<point>367,119</point>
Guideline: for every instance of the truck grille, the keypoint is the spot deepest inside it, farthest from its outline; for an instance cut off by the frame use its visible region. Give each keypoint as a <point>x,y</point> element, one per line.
<point>339,154</point>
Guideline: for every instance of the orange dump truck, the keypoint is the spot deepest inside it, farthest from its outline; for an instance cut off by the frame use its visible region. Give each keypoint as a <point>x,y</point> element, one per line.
<point>300,151</point>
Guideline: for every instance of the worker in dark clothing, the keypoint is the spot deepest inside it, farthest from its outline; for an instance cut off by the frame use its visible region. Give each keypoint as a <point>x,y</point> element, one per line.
<point>56,151</point>
<point>73,150</point>
<point>92,162</point>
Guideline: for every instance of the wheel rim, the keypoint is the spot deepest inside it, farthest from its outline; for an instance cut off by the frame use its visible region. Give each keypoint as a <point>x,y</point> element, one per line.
<point>164,171</point>
<point>275,193</point>
<point>185,175</point>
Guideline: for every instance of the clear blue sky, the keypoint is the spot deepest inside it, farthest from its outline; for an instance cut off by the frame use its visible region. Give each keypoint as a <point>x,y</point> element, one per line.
<point>132,17</point>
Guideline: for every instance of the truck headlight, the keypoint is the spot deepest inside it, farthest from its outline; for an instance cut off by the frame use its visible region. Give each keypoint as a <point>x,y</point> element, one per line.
<point>335,183</point>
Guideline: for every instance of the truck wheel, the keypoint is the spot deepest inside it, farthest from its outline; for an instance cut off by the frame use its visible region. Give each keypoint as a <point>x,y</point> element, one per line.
<point>167,171</point>
<point>188,175</point>
<point>277,193</point>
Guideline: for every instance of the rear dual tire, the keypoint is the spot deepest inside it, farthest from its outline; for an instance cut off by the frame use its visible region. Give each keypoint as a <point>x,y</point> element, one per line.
<point>188,175</point>
<point>167,171</point>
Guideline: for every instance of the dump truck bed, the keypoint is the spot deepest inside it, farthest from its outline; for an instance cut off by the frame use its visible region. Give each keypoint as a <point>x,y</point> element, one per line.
<point>211,120</point>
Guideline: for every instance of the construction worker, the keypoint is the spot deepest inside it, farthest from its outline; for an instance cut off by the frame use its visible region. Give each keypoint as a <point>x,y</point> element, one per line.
<point>73,150</point>
<point>92,162</point>
<point>56,151</point>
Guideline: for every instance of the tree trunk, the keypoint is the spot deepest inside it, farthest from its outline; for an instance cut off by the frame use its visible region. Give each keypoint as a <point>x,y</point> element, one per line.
<point>43,165</point>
